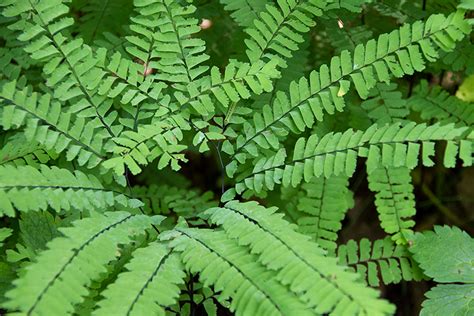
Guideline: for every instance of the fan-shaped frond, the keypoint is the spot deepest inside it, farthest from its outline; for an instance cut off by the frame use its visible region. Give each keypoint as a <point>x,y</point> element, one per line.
<point>234,272</point>
<point>48,125</point>
<point>395,201</point>
<point>148,286</point>
<point>299,263</point>
<point>19,151</point>
<point>244,12</point>
<point>278,31</point>
<point>26,188</point>
<point>379,262</point>
<point>58,280</point>
<point>436,103</point>
<point>401,52</point>
<point>334,154</point>
<point>321,206</point>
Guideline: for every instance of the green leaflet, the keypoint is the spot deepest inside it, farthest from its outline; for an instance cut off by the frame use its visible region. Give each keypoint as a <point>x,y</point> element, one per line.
<point>58,279</point>
<point>446,255</point>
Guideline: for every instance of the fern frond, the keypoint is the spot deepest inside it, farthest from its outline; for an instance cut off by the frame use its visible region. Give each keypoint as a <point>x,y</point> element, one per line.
<point>239,81</point>
<point>139,94</point>
<point>401,52</point>
<point>244,12</point>
<point>380,261</point>
<point>462,58</point>
<point>26,188</point>
<point>299,263</point>
<point>68,62</point>
<point>19,151</point>
<point>334,154</point>
<point>142,147</point>
<point>278,31</point>
<point>386,105</point>
<point>149,284</point>
<point>58,280</point>
<point>235,272</point>
<point>395,201</point>
<point>164,199</point>
<point>49,126</point>
<point>180,55</point>
<point>322,207</point>
<point>436,103</point>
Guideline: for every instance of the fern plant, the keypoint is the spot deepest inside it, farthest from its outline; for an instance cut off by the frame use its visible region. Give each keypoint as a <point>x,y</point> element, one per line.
<point>145,169</point>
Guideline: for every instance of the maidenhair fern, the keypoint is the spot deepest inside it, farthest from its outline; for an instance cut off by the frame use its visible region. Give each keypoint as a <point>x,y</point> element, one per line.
<point>154,161</point>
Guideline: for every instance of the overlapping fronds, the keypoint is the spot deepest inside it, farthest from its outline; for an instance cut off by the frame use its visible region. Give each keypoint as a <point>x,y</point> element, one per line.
<point>59,278</point>
<point>401,52</point>
<point>244,12</point>
<point>395,201</point>
<point>46,124</point>
<point>322,205</point>
<point>148,286</point>
<point>278,31</point>
<point>381,261</point>
<point>133,149</point>
<point>139,94</point>
<point>220,261</point>
<point>239,81</point>
<point>336,153</point>
<point>70,66</point>
<point>386,104</point>
<point>436,103</point>
<point>19,151</point>
<point>299,263</point>
<point>26,188</point>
